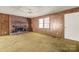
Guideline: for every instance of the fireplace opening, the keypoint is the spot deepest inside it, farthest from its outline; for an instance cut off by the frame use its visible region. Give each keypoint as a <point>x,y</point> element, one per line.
<point>17,29</point>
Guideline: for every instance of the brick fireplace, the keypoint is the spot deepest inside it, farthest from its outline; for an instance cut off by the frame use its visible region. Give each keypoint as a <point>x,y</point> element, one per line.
<point>18,24</point>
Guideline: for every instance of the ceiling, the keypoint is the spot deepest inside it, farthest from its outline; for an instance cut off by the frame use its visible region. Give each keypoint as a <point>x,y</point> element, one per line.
<point>32,11</point>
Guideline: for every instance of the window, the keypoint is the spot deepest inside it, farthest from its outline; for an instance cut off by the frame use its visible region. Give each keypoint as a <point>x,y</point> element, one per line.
<point>40,23</point>
<point>44,22</point>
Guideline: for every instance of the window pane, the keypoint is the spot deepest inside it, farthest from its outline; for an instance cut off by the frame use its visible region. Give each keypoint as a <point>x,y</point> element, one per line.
<point>46,20</point>
<point>46,25</point>
<point>40,20</point>
<point>40,25</point>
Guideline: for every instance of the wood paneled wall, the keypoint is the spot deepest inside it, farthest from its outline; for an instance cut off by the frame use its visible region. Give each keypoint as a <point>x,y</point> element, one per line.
<point>55,18</point>
<point>29,24</point>
<point>6,21</point>
<point>4,24</point>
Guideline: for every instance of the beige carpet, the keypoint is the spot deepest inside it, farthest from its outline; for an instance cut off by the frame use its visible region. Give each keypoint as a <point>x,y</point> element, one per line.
<point>36,42</point>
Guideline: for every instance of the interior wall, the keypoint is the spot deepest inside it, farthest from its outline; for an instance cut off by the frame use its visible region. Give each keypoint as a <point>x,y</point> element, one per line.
<point>7,20</point>
<point>55,18</point>
<point>56,31</point>
<point>4,24</point>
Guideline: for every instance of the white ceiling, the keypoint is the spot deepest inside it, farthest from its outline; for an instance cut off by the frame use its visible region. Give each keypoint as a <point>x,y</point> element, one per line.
<point>32,11</point>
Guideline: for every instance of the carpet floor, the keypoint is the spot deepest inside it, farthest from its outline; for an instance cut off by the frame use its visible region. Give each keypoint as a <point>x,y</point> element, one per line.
<point>36,42</point>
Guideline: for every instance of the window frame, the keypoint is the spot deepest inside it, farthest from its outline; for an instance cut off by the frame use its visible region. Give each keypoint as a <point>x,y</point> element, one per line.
<point>44,23</point>
<point>48,22</point>
<point>41,23</point>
